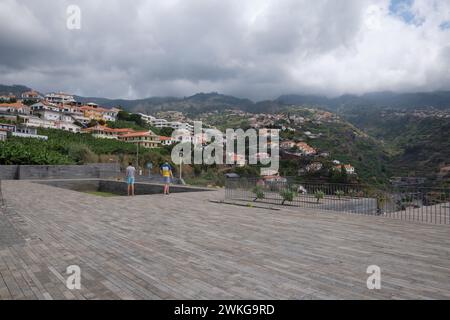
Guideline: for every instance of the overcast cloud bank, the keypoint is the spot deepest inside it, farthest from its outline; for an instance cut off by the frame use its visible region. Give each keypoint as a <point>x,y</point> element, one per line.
<point>255,49</point>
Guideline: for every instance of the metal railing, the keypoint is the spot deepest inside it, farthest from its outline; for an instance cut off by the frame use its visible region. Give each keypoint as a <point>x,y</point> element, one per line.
<point>428,205</point>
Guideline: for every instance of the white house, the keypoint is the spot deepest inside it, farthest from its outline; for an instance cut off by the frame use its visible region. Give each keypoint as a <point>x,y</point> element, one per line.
<point>182,136</point>
<point>31,95</point>
<point>23,131</point>
<point>15,108</point>
<point>349,169</point>
<point>59,98</point>
<point>3,134</point>
<point>163,123</point>
<point>33,121</point>
<point>67,126</point>
<point>8,127</point>
<point>44,105</point>
<point>167,141</point>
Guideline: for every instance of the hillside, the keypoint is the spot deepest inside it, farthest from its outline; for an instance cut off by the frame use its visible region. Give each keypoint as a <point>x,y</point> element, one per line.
<point>16,89</point>
<point>204,102</point>
<point>201,102</point>
<point>419,139</point>
<point>71,148</point>
<point>324,131</point>
<point>382,134</point>
<point>375,100</point>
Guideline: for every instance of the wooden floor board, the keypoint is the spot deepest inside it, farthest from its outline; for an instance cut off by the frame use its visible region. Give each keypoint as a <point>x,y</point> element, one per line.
<point>183,246</point>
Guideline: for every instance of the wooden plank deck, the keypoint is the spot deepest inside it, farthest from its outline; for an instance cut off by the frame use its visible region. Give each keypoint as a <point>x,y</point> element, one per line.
<point>184,247</point>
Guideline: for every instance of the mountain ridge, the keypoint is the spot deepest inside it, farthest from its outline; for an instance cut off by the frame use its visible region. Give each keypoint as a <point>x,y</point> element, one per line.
<point>200,102</point>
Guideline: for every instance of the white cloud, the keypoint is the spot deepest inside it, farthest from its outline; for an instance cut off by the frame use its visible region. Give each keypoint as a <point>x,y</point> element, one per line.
<point>256,49</point>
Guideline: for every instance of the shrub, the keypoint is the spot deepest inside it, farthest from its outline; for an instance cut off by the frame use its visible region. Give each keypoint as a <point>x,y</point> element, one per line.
<point>287,194</point>
<point>259,193</point>
<point>81,154</point>
<point>340,194</point>
<point>319,195</point>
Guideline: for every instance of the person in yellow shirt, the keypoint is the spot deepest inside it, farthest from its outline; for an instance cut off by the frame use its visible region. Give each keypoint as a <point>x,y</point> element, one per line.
<point>166,172</point>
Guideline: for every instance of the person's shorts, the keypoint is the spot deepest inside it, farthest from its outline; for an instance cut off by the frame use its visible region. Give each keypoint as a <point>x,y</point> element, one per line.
<point>130,180</point>
<point>166,179</point>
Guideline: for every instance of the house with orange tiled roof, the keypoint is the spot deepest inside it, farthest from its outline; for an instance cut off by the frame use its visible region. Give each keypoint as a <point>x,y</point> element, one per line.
<point>98,113</point>
<point>287,144</point>
<point>31,95</point>
<point>7,98</point>
<point>306,149</point>
<point>146,139</point>
<point>167,141</point>
<point>105,132</point>
<point>17,108</point>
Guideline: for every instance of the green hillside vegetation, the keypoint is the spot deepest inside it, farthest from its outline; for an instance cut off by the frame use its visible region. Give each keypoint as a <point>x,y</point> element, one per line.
<point>343,142</point>
<point>70,148</point>
<point>421,146</point>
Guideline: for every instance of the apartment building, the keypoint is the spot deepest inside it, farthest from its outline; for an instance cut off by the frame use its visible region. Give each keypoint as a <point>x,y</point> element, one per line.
<point>163,123</point>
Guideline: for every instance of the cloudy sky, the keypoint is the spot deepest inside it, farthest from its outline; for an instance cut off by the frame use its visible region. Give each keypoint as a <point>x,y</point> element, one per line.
<point>249,48</point>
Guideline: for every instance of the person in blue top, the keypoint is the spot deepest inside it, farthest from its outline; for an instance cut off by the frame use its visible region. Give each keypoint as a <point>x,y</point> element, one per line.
<point>166,172</point>
<point>131,172</point>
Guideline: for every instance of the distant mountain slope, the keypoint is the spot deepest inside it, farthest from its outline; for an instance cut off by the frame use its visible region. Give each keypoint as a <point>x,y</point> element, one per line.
<point>201,102</point>
<point>214,101</point>
<point>204,102</point>
<point>16,89</point>
<point>438,99</point>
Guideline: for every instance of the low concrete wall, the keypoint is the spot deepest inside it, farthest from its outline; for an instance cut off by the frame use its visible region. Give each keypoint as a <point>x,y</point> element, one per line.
<point>75,185</point>
<point>121,188</point>
<point>117,187</point>
<point>9,172</point>
<point>33,172</point>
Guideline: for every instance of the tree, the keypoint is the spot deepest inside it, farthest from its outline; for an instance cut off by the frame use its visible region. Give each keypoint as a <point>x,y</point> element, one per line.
<point>123,115</point>
<point>92,123</point>
<point>167,132</point>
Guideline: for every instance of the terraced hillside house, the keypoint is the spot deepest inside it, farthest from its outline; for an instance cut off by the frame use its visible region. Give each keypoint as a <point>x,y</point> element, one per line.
<point>287,144</point>
<point>17,108</point>
<point>59,98</point>
<point>31,96</point>
<point>306,149</point>
<point>98,113</point>
<point>349,169</point>
<point>146,139</point>
<point>107,133</point>
<point>166,141</point>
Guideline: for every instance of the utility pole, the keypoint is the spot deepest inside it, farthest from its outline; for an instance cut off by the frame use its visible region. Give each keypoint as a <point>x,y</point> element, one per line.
<point>137,156</point>
<point>181,162</point>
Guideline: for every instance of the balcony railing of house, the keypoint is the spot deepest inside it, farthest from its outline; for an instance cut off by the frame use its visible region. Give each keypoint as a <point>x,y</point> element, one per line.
<point>412,203</point>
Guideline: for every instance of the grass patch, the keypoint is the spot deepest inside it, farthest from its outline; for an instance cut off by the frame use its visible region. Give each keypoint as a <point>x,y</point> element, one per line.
<point>101,194</point>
